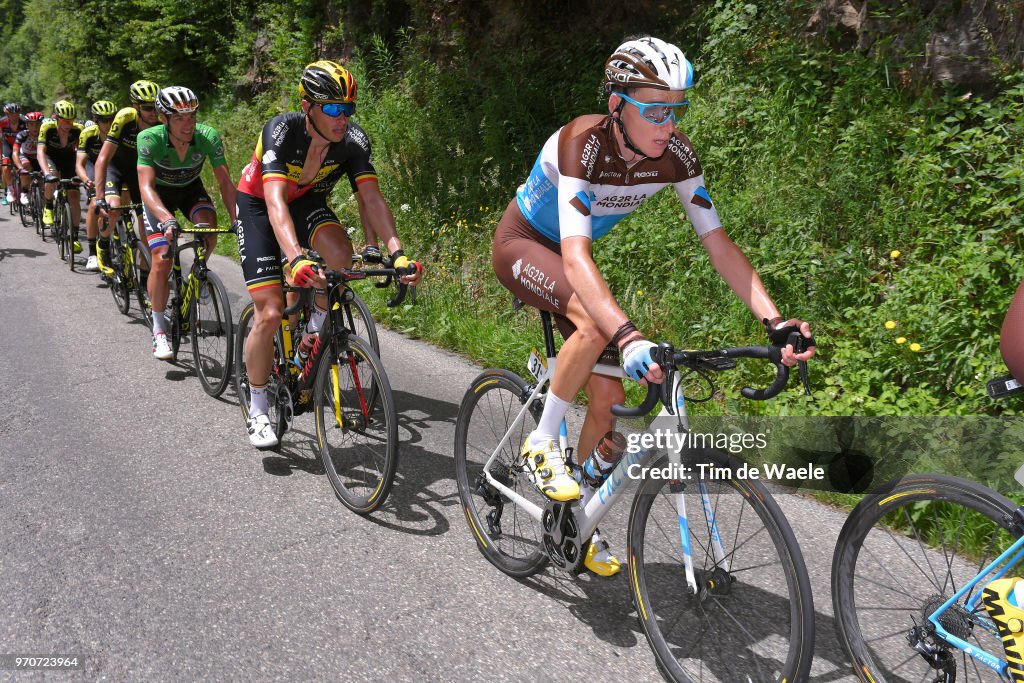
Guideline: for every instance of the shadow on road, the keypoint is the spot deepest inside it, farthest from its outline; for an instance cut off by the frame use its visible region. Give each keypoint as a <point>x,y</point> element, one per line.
<point>29,253</point>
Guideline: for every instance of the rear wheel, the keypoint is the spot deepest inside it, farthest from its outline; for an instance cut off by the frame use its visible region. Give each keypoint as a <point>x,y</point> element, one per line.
<point>904,551</point>
<point>212,343</point>
<point>505,533</point>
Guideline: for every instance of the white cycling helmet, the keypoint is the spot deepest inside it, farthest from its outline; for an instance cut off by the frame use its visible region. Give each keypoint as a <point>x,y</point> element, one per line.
<point>176,99</point>
<point>648,63</point>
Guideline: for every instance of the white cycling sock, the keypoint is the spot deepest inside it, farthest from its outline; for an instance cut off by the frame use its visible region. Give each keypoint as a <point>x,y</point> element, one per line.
<point>316,319</point>
<point>550,420</point>
<point>159,323</point>
<point>258,400</point>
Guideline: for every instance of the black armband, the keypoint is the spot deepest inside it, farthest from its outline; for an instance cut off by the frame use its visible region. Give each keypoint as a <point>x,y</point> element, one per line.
<point>624,330</point>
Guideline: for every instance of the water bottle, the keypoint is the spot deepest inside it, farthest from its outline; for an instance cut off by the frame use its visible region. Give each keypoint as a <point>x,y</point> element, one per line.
<point>305,347</point>
<point>602,460</point>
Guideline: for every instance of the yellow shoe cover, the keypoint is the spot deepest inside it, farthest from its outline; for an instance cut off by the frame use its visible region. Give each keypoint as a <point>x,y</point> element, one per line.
<point>1009,620</point>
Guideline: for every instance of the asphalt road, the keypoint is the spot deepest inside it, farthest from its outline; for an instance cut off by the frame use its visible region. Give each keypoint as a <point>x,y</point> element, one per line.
<point>140,531</point>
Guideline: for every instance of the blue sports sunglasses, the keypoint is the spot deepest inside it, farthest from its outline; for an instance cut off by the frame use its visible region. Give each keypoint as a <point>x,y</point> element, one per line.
<point>336,109</point>
<point>659,112</point>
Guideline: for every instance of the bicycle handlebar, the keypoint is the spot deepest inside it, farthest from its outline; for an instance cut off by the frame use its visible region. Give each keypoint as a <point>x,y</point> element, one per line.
<point>671,360</point>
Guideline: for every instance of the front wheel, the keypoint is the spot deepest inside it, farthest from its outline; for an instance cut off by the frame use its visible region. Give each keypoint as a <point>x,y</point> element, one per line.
<point>356,425</point>
<point>360,322</point>
<point>751,617</point>
<point>903,552</point>
<point>507,536</point>
<point>212,342</point>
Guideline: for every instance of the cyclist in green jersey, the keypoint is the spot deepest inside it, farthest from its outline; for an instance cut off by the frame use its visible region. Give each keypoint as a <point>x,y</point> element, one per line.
<point>171,157</point>
<point>89,144</point>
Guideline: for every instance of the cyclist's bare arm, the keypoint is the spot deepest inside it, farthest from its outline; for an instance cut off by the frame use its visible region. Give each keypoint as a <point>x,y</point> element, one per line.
<point>375,213</point>
<point>99,170</point>
<point>734,267</point>
<point>227,190</point>
<point>147,188</point>
<point>41,157</point>
<point>80,159</point>
<point>589,285</point>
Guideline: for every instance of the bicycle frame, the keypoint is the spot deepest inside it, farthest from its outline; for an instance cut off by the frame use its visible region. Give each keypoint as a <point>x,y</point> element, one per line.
<point>589,518</point>
<point>997,569</point>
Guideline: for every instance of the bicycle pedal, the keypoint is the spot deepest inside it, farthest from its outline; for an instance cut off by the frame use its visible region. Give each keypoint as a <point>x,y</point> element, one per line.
<point>1001,387</point>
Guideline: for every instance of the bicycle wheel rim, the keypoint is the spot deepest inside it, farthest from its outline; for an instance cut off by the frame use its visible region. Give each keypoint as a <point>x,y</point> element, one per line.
<point>356,425</point>
<point>514,544</point>
<point>119,288</point>
<point>70,236</point>
<point>899,556</point>
<point>362,323</point>
<point>754,622</point>
<point>212,342</point>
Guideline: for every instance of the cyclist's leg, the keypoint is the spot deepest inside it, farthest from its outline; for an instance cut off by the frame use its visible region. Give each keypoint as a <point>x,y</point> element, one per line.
<point>160,269</point>
<point>1011,339</point>
<point>8,171</point>
<point>200,210</point>
<point>318,228</point>
<point>48,191</point>
<point>531,267</point>
<point>260,256</point>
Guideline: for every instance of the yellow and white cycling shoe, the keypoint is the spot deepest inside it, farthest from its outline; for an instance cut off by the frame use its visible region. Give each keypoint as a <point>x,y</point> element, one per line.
<point>599,559</point>
<point>546,466</point>
<point>1008,616</point>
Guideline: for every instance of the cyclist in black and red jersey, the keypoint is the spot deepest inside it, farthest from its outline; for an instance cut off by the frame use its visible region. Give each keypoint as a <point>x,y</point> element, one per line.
<point>24,151</point>
<point>11,124</point>
<point>282,208</point>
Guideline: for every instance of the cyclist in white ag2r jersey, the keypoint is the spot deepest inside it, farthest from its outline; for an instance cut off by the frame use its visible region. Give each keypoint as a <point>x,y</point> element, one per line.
<point>590,174</point>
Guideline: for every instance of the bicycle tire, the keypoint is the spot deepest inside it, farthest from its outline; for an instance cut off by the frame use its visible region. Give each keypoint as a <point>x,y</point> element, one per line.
<point>488,408</point>
<point>69,235</point>
<point>760,625</point>
<point>172,312</point>
<point>361,470</point>
<point>361,322</point>
<point>37,209</point>
<point>57,229</point>
<point>277,372</point>
<point>212,342</point>
<point>875,638</point>
<point>120,285</point>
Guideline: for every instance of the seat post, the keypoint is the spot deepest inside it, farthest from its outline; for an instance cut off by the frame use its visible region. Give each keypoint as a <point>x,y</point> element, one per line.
<point>549,335</point>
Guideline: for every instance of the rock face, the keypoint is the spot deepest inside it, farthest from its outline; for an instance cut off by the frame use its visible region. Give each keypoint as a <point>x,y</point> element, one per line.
<point>965,42</point>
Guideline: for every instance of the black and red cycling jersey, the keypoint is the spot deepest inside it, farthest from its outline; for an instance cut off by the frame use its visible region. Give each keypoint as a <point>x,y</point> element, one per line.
<point>281,153</point>
<point>9,129</point>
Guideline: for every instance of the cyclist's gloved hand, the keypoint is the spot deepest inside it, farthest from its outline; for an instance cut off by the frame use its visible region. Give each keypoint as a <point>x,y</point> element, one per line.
<point>50,178</point>
<point>304,271</point>
<point>236,226</point>
<point>101,205</point>
<point>168,227</point>
<point>400,260</point>
<point>636,358</point>
<point>779,330</point>
<point>371,254</point>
